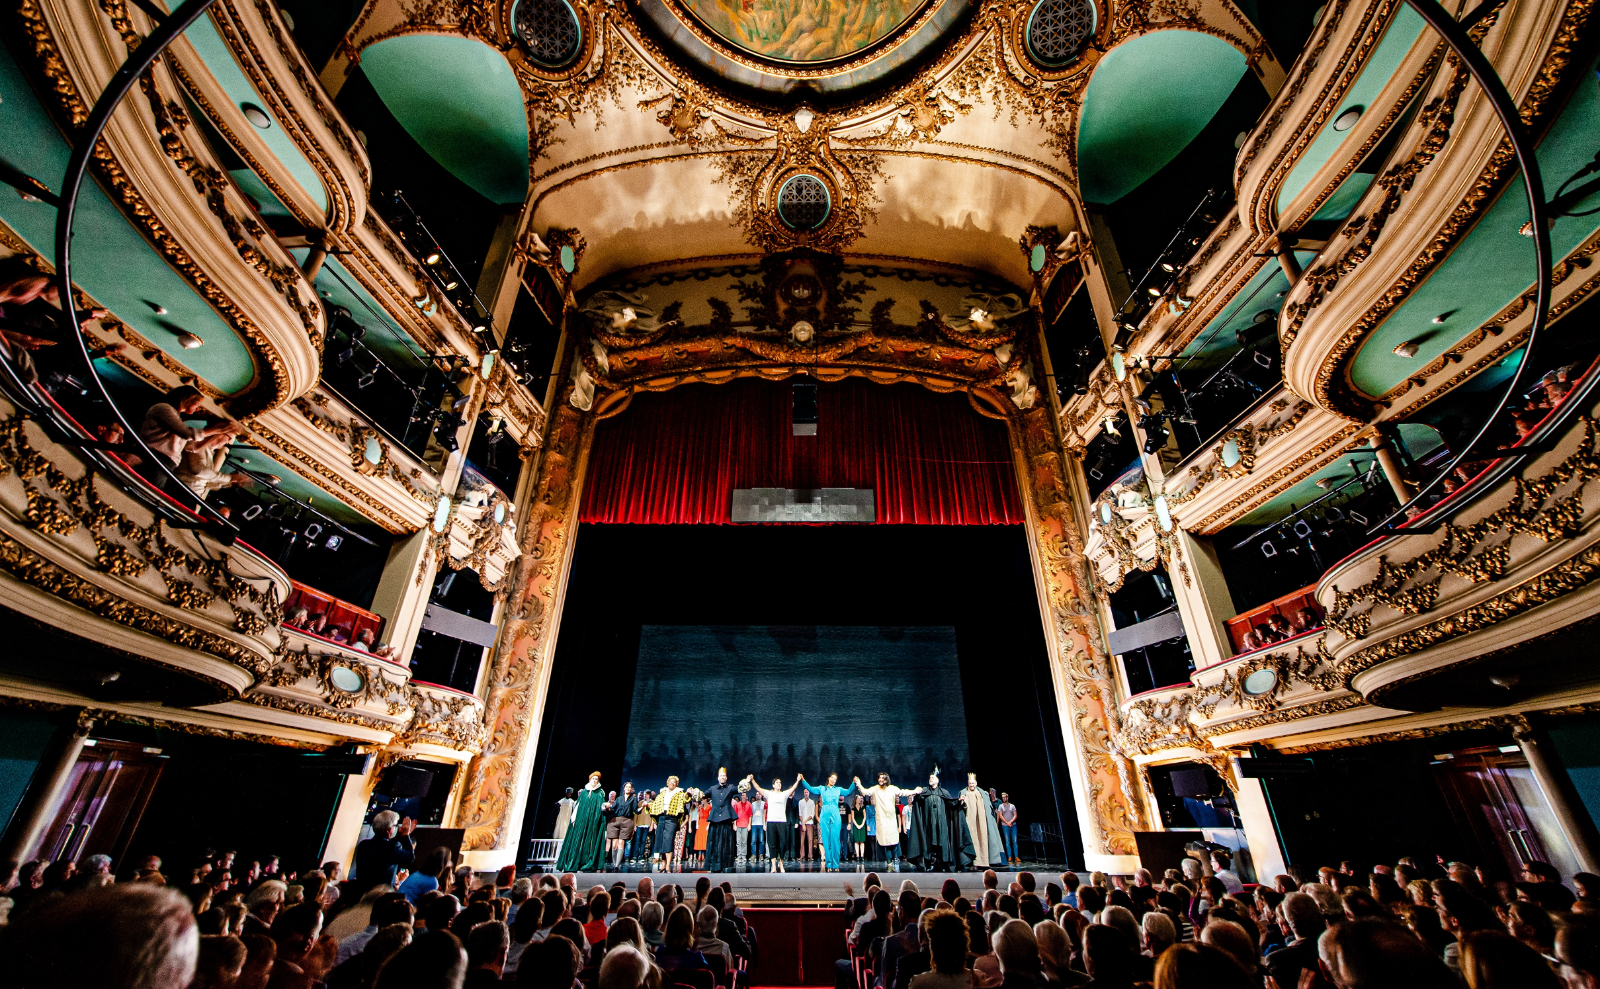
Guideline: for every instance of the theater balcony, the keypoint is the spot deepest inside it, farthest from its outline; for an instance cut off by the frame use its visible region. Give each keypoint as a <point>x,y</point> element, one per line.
<point>150,610</point>
<point>314,682</point>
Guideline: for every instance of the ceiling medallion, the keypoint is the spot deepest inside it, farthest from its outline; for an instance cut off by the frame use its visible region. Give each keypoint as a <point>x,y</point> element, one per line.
<point>804,202</point>
<point>549,30</point>
<point>1058,30</point>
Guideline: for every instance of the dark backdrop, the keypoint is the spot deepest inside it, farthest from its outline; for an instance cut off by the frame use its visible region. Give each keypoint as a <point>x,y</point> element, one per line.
<point>824,695</point>
<point>977,579</point>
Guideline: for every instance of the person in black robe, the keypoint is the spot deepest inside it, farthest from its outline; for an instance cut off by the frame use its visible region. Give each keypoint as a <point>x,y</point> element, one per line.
<point>720,839</point>
<point>938,839</point>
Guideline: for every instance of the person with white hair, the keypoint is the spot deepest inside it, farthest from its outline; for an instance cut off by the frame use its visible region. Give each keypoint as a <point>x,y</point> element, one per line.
<point>624,968</point>
<point>98,863</point>
<point>264,902</point>
<point>388,850</point>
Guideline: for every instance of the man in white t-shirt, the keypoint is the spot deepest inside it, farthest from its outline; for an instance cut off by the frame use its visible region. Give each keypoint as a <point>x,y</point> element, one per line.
<point>777,819</point>
<point>808,826</point>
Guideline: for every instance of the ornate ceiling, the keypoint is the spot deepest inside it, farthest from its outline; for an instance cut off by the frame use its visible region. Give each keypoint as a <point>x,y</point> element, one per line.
<point>669,130</point>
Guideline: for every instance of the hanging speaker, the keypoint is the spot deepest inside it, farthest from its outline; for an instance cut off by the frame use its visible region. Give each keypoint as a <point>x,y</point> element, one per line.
<point>803,408</point>
<point>406,781</point>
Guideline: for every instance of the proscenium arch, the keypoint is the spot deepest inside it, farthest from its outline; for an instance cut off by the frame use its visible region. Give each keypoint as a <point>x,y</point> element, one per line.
<point>1108,796</point>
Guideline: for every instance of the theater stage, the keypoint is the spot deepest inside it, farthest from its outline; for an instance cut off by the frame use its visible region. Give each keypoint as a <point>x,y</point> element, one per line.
<point>814,888</point>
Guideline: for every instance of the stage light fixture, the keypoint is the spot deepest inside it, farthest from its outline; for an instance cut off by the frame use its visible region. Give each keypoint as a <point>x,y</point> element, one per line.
<point>365,380</point>
<point>1358,518</point>
<point>451,284</point>
<point>252,513</point>
<point>1169,267</point>
<point>274,511</point>
<point>313,531</point>
<point>432,258</point>
<point>190,341</point>
<point>1155,293</point>
<point>1097,470</point>
<point>1268,549</point>
<point>1302,528</point>
<point>334,542</point>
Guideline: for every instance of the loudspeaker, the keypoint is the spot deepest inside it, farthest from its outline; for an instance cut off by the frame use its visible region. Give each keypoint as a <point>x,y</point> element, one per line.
<point>408,781</point>
<point>1190,783</point>
<point>804,408</point>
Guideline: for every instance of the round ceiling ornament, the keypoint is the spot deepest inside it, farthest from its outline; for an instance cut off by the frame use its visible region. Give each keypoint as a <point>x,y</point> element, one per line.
<point>804,202</point>
<point>549,30</point>
<point>1058,30</point>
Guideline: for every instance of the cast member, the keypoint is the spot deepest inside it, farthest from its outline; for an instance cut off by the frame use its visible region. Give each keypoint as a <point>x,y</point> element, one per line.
<point>564,814</point>
<point>936,838</point>
<point>828,798</point>
<point>720,842</point>
<point>887,814</point>
<point>668,811</point>
<point>620,830</point>
<point>981,824</point>
<point>582,850</point>
<point>777,819</point>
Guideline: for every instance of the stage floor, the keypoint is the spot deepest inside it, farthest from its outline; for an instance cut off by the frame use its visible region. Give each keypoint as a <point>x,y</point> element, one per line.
<point>755,888</point>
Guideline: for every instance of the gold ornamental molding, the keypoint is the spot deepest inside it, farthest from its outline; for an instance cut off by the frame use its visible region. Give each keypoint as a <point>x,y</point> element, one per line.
<point>273,289</point>
<point>602,368</point>
<point>1436,130</point>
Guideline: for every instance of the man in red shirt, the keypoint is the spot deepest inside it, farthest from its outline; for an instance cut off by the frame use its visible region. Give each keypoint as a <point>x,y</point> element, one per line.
<point>742,812</point>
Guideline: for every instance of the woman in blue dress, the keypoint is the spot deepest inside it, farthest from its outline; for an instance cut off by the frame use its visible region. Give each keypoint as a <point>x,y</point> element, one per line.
<point>828,820</point>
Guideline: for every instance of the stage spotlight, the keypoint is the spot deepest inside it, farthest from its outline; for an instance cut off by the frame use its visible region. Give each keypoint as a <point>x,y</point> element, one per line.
<point>1268,549</point>
<point>1155,293</point>
<point>452,283</point>
<point>334,542</point>
<point>313,531</point>
<point>1302,528</point>
<point>1262,358</point>
<point>275,511</point>
<point>1169,267</point>
<point>1334,514</point>
<point>365,379</point>
<point>1358,518</point>
<point>252,513</point>
<point>1097,470</point>
<point>432,258</point>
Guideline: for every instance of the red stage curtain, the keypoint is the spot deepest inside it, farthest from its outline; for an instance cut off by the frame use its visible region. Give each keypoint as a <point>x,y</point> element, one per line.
<point>677,456</point>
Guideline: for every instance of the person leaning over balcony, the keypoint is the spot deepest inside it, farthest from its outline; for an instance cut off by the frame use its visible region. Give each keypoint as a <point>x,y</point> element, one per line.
<point>165,431</point>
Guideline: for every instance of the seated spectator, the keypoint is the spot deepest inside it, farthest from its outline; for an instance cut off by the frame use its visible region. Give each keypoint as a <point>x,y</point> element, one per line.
<point>1055,955</point>
<point>985,964</point>
<point>1107,957</point>
<point>1460,913</point>
<point>1365,953</point>
<point>363,969</point>
<point>625,968</point>
<point>1017,951</point>
<point>1303,620</point>
<point>264,902</point>
<point>650,916</point>
<point>1232,938</point>
<point>677,946</point>
<point>433,958</point>
<point>705,936</point>
<point>487,945</point>
<point>1531,924</point>
<point>1159,934</point>
<point>1200,966</point>
<point>388,908</point>
<point>132,936</point>
<point>947,939</point>
<point>219,963</point>
<point>1546,889</point>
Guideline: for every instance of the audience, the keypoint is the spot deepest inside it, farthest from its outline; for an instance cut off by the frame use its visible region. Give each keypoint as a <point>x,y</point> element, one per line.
<point>226,924</point>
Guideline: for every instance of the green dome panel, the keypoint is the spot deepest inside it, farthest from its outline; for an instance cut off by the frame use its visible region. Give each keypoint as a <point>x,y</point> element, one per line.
<point>459,99</point>
<point>1148,98</point>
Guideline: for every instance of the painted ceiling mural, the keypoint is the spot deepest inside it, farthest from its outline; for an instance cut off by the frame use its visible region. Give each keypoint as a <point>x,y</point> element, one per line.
<point>803,30</point>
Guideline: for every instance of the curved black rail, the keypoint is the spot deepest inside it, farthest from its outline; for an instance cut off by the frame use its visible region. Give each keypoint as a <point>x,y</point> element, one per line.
<point>1455,35</point>
<point>167,30</point>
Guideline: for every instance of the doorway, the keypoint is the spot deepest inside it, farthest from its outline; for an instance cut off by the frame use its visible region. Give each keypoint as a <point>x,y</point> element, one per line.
<point>106,795</point>
<point>1493,795</point>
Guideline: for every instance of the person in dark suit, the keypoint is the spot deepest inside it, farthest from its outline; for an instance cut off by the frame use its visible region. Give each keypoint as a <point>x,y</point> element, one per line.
<point>906,941</point>
<point>379,857</point>
<point>912,965</point>
<point>1302,916</point>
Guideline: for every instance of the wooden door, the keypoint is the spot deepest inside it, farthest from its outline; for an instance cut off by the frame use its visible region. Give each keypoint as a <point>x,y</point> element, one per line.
<point>106,795</point>
<point>1481,787</point>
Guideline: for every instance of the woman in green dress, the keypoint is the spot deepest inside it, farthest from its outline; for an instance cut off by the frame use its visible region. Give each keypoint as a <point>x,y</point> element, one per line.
<point>858,828</point>
<point>584,846</point>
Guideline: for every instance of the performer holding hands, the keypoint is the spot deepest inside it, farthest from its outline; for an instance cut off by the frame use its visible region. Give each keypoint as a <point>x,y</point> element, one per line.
<point>828,798</point>
<point>884,796</point>
<point>778,832</point>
